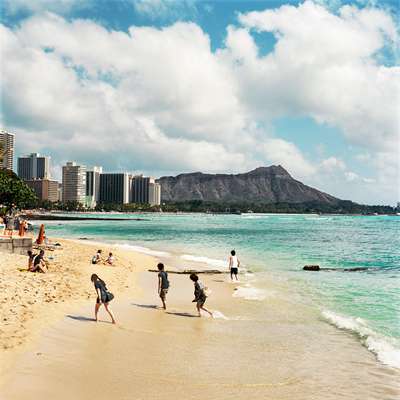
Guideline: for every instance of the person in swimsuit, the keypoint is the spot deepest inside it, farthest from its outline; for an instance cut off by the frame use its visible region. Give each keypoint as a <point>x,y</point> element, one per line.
<point>163,284</point>
<point>96,259</point>
<point>110,259</point>
<point>199,295</point>
<point>103,297</point>
<point>30,260</point>
<point>38,263</point>
<point>234,264</point>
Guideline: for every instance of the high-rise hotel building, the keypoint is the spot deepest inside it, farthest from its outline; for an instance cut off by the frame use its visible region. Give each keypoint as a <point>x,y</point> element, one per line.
<point>7,150</point>
<point>33,166</point>
<point>145,190</point>
<point>114,188</point>
<point>93,186</point>
<point>74,182</point>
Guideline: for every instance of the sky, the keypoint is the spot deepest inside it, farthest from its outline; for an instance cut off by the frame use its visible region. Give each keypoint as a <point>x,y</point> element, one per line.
<point>163,87</point>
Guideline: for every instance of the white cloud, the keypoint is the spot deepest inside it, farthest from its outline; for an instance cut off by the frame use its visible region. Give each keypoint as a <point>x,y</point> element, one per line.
<point>323,66</point>
<point>161,99</point>
<point>351,176</point>
<point>333,163</point>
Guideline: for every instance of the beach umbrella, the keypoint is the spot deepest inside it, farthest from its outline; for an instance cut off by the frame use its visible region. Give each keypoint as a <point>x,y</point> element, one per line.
<point>40,238</point>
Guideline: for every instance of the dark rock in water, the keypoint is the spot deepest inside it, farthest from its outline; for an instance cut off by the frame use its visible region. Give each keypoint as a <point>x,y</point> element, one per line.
<point>356,269</point>
<point>311,268</point>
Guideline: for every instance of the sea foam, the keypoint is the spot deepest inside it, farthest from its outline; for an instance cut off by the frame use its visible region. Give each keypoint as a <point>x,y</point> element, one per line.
<point>249,292</point>
<point>144,250</point>
<point>205,260</point>
<point>385,351</point>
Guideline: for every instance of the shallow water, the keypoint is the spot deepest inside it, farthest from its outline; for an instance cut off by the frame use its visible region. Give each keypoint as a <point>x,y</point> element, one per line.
<point>275,248</point>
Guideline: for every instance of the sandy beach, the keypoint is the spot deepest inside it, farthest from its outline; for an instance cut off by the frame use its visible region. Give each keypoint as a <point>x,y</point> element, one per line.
<point>51,347</point>
<point>31,301</point>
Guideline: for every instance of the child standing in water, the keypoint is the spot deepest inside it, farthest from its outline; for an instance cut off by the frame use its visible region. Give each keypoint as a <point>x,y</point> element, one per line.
<point>163,284</point>
<point>199,294</point>
<point>234,264</point>
<point>103,296</point>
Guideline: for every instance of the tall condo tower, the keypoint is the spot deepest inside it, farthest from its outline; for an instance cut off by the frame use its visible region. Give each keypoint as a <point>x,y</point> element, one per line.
<point>74,182</point>
<point>114,188</point>
<point>7,150</point>
<point>33,166</point>
<point>93,186</point>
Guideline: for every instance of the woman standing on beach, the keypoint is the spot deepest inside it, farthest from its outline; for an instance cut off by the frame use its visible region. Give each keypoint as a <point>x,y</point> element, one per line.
<point>103,296</point>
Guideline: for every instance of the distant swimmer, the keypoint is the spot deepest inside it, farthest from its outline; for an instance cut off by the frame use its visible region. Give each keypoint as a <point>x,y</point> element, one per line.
<point>103,296</point>
<point>163,284</point>
<point>234,265</point>
<point>200,296</point>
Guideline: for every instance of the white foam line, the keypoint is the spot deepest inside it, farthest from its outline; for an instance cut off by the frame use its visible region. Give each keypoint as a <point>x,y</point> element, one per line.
<point>144,250</point>
<point>381,346</point>
<point>205,260</point>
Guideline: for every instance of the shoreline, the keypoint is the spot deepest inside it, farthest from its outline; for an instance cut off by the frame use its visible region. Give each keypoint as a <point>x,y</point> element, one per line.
<point>383,348</point>
<point>293,336</point>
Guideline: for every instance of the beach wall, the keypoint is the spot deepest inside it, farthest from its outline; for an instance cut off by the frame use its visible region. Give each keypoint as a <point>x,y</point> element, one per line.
<point>15,245</point>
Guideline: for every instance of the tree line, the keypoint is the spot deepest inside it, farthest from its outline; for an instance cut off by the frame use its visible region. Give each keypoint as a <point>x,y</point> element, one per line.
<point>13,191</point>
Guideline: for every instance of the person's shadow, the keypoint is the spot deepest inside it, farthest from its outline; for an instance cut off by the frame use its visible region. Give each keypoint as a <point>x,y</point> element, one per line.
<point>85,319</point>
<point>182,314</point>
<point>80,318</point>
<point>152,306</point>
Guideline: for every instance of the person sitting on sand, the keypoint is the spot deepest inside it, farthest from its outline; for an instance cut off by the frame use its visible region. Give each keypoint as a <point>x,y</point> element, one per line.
<point>2,226</point>
<point>96,259</point>
<point>103,297</point>
<point>38,263</point>
<point>163,284</point>
<point>30,260</point>
<point>234,264</point>
<point>199,294</point>
<point>110,259</point>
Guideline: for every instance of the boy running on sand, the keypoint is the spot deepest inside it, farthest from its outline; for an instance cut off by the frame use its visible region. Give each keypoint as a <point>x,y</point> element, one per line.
<point>199,295</point>
<point>163,284</point>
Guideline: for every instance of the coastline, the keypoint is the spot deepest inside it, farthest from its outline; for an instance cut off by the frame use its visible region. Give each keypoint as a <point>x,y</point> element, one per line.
<point>279,347</point>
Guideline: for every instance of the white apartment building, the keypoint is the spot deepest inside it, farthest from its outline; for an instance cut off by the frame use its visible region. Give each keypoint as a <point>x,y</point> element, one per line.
<point>93,186</point>
<point>74,182</point>
<point>154,193</point>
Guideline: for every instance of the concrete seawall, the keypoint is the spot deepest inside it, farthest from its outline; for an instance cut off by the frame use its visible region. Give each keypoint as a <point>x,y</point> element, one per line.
<point>15,245</point>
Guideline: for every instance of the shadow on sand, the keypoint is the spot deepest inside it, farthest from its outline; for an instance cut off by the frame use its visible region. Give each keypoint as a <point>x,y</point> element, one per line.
<point>85,319</point>
<point>182,314</point>
<point>80,318</point>
<point>153,306</point>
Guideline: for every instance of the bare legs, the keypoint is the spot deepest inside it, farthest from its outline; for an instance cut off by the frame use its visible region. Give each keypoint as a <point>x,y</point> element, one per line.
<point>96,310</point>
<point>199,307</point>
<point>110,313</point>
<point>163,302</point>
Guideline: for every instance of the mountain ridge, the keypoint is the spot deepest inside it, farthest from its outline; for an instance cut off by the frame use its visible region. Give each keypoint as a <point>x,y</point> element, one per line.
<point>271,184</point>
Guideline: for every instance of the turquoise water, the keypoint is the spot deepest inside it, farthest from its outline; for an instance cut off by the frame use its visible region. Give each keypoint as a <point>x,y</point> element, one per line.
<point>366,302</point>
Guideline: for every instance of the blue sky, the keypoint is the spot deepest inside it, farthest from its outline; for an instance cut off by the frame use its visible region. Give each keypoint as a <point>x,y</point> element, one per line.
<point>163,87</point>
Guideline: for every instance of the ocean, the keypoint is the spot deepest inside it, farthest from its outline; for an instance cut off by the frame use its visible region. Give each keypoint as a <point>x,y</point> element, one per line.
<point>273,248</point>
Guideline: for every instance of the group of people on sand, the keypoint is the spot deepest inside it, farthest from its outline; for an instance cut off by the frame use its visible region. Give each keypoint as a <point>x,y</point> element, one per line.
<point>200,290</point>
<point>36,262</point>
<point>99,259</point>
